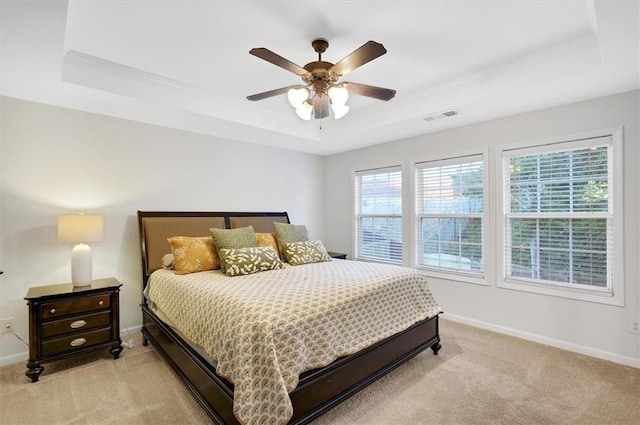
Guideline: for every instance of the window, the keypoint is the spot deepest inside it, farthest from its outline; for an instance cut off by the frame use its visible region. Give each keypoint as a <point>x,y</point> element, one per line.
<point>378,210</point>
<point>558,215</point>
<point>450,214</point>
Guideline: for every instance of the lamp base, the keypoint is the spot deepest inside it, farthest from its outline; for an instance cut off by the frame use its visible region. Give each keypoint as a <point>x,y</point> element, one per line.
<point>81,265</point>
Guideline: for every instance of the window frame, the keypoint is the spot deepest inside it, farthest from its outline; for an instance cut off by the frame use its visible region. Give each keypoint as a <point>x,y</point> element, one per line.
<point>612,296</point>
<point>443,273</point>
<point>356,212</point>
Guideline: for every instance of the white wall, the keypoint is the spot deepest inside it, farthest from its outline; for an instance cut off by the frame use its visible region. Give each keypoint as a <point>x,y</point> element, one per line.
<point>595,329</point>
<point>56,161</point>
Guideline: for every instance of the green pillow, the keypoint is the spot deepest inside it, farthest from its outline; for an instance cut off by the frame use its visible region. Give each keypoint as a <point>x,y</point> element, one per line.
<point>243,261</point>
<point>305,252</point>
<point>287,233</point>
<point>242,237</point>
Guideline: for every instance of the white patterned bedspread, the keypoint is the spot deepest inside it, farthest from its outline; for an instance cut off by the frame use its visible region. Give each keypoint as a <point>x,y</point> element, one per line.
<point>265,329</point>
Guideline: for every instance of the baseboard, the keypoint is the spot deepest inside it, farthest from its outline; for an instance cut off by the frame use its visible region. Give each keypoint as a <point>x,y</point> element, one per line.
<point>14,358</point>
<point>129,332</point>
<point>15,345</point>
<point>22,357</point>
<point>576,348</point>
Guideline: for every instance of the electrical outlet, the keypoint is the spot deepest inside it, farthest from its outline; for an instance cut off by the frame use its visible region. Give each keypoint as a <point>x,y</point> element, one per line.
<point>634,327</point>
<point>6,325</point>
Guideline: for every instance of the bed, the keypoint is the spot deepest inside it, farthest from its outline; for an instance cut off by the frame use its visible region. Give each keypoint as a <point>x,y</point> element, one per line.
<point>316,390</point>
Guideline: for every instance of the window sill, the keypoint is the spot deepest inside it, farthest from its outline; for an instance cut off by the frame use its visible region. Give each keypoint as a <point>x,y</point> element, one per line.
<point>574,294</point>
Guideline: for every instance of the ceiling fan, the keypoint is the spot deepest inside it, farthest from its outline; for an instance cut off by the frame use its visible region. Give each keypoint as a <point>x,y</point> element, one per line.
<point>322,89</point>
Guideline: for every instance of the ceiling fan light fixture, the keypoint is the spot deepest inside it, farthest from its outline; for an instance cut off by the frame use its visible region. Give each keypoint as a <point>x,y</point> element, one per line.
<point>339,111</point>
<point>322,88</point>
<point>297,97</point>
<point>338,95</point>
<point>304,111</point>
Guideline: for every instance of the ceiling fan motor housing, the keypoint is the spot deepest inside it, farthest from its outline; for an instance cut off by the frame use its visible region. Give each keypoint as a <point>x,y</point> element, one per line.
<point>319,76</point>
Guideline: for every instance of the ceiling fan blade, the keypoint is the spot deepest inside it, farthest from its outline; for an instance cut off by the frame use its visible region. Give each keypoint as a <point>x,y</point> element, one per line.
<point>370,91</point>
<point>320,106</point>
<point>278,60</point>
<point>271,93</point>
<point>363,54</point>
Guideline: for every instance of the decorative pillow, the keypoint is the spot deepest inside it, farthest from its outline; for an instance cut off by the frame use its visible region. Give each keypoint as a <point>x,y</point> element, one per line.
<point>243,261</point>
<point>267,239</point>
<point>167,261</point>
<point>287,233</point>
<point>193,254</point>
<point>242,237</point>
<point>305,252</point>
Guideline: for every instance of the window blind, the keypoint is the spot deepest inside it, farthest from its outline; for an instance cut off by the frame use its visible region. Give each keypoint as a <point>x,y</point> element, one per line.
<point>378,214</point>
<point>559,214</point>
<point>450,214</point>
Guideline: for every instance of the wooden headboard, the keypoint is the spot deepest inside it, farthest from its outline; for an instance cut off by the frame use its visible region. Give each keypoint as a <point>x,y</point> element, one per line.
<point>156,226</point>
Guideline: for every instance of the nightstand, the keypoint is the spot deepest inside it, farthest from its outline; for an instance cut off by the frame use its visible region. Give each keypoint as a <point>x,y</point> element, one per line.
<point>66,321</point>
<point>338,255</point>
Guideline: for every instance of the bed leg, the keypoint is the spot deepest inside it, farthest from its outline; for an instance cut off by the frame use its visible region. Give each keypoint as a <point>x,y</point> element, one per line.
<point>436,347</point>
<point>145,341</point>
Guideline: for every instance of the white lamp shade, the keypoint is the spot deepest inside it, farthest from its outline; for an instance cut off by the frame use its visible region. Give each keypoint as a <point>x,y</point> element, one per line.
<point>304,111</point>
<point>339,95</point>
<point>74,228</point>
<point>339,111</point>
<point>297,96</point>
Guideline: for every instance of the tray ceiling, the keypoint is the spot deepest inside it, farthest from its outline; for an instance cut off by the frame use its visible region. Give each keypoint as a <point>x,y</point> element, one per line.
<point>186,65</point>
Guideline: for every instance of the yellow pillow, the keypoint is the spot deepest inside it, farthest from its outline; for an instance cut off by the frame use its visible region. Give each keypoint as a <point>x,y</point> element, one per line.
<point>193,254</point>
<point>267,239</point>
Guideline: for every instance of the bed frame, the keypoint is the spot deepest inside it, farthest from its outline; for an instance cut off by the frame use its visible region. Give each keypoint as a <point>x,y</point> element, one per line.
<point>318,390</point>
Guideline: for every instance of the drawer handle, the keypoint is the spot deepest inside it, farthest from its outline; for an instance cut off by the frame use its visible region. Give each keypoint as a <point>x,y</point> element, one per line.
<point>52,311</point>
<point>100,302</point>
<point>78,324</point>
<point>78,342</point>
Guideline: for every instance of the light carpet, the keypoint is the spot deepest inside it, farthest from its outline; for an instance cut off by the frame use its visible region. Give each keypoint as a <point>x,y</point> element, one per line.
<point>479,377</point>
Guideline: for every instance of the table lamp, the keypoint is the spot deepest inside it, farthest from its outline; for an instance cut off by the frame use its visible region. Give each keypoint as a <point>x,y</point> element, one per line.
<point>80,228</point>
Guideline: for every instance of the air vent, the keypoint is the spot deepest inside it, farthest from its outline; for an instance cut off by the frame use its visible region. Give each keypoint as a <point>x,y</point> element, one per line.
<point>442,115</point>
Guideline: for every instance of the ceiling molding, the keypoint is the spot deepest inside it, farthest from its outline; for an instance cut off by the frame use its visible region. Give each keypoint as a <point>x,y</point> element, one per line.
<point>91,71</point>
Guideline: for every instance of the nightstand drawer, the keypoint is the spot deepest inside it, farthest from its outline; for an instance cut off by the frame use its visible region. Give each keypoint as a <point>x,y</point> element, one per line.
<point>76,341</point>
<point>74,324</point>
<point>62,308</point>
